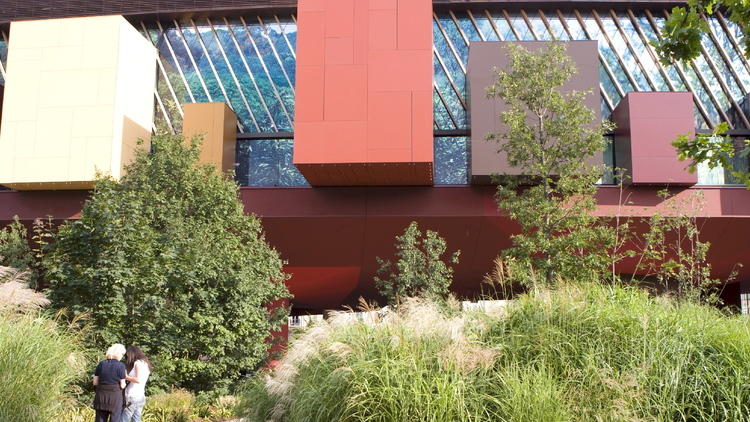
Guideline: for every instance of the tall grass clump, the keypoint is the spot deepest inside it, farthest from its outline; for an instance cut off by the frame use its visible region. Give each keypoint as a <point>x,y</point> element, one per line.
<point>39,362</point>
<point>577,353</point>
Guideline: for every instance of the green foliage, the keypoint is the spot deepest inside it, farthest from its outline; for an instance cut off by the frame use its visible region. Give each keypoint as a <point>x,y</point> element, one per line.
<point>419,270</point>
<point>682,32</point>
<point>550,136</point>
<point>173,406</point>
<point>38,360</point>
<point>166,259</point>
<point>577,353</point>
<point>14,247</point>
<point>716,150</point>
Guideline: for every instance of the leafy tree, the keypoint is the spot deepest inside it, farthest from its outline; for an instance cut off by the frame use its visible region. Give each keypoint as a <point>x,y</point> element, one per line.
<point>419,269</point>
<point>682,32</point>
<point>165,258</point>
<point>14,246</point>
<point>716,150</point>
<point>550,135</point>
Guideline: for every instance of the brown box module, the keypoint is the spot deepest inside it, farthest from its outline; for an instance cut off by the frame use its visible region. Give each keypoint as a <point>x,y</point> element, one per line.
<point>484,58</point>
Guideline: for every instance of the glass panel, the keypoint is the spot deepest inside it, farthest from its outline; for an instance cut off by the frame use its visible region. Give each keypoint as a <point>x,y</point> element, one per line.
<point>449,60</point>
<point>185,64</point>
<point>451,161</point>
<point>608,177</point>
<point>267,162</point>
<point>441,116</point>
<point>467,27</point>
<point>485,27</point>
<point>506,33</point>
<point>621,48</point>
<point>236,99</point>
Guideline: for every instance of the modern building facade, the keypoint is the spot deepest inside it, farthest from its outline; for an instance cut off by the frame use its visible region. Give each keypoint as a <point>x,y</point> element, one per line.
<point>344,120</point>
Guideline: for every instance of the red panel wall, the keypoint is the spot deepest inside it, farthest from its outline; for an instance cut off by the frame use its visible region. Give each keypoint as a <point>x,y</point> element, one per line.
<point>363,113</point>
<point>647,123</point>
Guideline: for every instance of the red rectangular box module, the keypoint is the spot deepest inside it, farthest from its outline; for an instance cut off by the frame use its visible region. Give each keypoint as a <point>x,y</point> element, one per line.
<point>647,123</point>
<point>375,59</point>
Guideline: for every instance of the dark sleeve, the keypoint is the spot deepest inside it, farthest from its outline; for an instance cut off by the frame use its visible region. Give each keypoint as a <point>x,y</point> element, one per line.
<point>121,371</point>
<point>98,370</point>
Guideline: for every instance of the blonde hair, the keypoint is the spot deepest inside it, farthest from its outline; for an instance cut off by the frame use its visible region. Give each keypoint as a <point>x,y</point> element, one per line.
<point>115,351</point>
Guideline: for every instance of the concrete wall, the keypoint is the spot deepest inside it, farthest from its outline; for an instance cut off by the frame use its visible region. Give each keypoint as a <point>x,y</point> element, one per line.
<point>78,95</point>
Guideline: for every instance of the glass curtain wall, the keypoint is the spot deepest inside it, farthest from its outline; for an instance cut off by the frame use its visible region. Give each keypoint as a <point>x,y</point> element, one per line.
<point>249,62</point>
<point>3,55</point>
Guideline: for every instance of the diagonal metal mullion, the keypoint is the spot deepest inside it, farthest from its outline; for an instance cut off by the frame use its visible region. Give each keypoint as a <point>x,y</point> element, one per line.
<point>164,110</point>
<point>616,21</point>
<point>450,78</point>
<point>445,105</point>
<point>681,72</point>
<point>449,42</point>
<point>602,59</point>
<point>723,83</point>
<point>528,23</point>
<point>2,68</point>
<point>276,53</point>
<point>547,25</point>
<point>732,39</point>
<point>164,72</point>
<point>460,30</point>
<point>250,74</point>
<point>491,20</point>
<point>603,91</point>
<point>265,69</point>
<point>646,42</point>
<point>726,59</point>
<point>181,36</point>
<point>651,52</point>
<point>609,41</point>
<point>476,25</point>
<point>288,43</point>
<point>231,72</point>
<point>706,87</point>
<point>176,62</point>
<point>207,55</point>
<point>510,24</point>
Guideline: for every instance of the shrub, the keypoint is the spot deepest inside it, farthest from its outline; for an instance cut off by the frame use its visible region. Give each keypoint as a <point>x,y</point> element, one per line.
<point>14,246</point>
<point>165,258</point>
<point>571,354</point>
<point>38,362</point>
<point>419,269</point>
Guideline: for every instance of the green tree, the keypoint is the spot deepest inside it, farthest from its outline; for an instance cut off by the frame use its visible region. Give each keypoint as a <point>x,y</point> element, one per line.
<point>165,258</point>
<point>550,137</point>
<point>682,31</point>
<point>419,269</point>
<point>14,246</point>
<point>716,150</point>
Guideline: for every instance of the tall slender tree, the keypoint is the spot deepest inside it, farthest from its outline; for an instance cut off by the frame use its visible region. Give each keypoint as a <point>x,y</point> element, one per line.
<point>550,137</point>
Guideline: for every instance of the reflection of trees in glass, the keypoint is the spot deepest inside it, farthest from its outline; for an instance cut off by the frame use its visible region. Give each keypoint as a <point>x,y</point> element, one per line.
<point>3,57</point>
<point>264,99</point>
<point>267,162</point>
<point>451,161</point>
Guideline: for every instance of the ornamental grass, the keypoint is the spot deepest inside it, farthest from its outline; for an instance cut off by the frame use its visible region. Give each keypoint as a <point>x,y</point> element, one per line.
<point>577,353</point>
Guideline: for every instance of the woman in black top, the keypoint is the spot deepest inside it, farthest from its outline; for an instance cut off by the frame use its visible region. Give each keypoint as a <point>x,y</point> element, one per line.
<point>109,380</point>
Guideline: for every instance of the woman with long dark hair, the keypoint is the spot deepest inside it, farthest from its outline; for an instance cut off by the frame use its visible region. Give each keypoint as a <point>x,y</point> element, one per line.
<point>138,369</point>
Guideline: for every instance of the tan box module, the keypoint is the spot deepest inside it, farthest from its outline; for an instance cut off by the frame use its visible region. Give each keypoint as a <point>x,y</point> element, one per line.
<point>79,93</point>
<point>217,124</point>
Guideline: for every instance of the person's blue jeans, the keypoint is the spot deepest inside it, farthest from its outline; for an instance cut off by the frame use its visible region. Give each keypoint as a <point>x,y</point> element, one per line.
<point>134,409</point>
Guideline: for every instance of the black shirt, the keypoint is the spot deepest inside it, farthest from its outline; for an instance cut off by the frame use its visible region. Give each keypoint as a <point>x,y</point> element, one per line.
<point>110,372</point>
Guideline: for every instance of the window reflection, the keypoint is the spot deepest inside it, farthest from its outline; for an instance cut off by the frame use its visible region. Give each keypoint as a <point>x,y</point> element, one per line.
<point>451,161</point>
<point>267,162</point>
